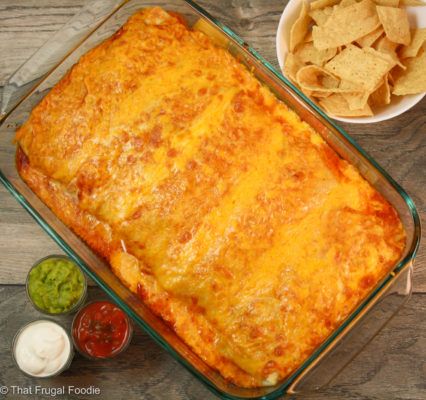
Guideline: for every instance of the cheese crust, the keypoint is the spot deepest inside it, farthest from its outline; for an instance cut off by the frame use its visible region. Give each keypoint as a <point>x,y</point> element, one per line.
<point>230,217</point>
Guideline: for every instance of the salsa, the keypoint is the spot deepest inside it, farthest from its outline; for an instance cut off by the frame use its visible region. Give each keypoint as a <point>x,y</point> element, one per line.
<point>101,330</point>
<point>56,285</point>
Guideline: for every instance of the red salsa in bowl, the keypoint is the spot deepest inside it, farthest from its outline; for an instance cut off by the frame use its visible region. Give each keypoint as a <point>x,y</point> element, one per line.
<point>101,330</point>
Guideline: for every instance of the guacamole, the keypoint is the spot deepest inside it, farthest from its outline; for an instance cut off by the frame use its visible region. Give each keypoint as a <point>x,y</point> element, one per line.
<point>56,285</point>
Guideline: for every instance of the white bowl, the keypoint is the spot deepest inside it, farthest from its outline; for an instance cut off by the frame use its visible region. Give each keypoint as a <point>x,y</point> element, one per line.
<point>398,105</point>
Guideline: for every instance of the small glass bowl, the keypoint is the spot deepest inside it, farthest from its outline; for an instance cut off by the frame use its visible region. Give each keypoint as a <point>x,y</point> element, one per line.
<point>58,372</point>
<point>78,303</point>
<point>123,347</point>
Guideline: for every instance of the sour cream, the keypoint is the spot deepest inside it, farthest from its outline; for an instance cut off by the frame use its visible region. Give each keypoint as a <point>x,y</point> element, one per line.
<point>42,348</point>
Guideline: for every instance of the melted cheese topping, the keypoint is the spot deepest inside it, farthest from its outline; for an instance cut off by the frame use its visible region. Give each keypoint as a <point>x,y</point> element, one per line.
<point>229,216</point>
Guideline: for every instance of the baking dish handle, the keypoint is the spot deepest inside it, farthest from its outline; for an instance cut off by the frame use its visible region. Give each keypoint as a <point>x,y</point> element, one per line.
<point>48,56</point>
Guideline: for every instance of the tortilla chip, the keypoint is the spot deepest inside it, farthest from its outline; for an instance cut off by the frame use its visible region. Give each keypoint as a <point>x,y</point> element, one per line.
<point>346,86</point>
<point>385,56</point>
<point>384,45</point>
<point>412,3</point>
<point>391,79</point>
<point>318,4</point>
<point>321,16</point>
<point>338,106</point>
<point>382,95</point>
<point>395,23</point>
<point>312,77</point>
<point>291,65</point>
<point>413,80</point>
<point>387,3</point>
<point>395,74</point>
<point>308,38</point>
<point>320,94</point>
<point>418,38</point>
<point>308,93</point>
<point>307,53</point>
<point>346,24</point>
<point>300,27</point>
<point>329,81</point>
<point>354,95</point>
<point>346,3</point>
<point>370,38</point>
<point>364,68</point>
<point>356,100</point>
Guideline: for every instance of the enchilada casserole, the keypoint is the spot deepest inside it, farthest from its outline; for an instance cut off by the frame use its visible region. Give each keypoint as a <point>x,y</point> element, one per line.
<point>230,217</point>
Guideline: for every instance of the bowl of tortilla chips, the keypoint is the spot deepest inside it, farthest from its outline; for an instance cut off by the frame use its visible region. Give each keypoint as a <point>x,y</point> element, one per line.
<point>361,61</point>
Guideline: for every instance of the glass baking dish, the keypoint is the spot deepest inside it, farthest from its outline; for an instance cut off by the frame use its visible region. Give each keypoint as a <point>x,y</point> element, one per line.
<point>99,20</point>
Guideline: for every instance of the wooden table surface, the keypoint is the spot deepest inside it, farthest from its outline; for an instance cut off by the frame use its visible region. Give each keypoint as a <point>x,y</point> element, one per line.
<point>392,366</point>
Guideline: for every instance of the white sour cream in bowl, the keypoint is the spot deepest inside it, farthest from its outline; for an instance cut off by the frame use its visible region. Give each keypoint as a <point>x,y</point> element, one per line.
<point>42,349</point>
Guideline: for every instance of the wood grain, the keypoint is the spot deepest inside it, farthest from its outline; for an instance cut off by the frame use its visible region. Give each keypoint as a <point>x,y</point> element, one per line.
<point>25,25</point>
<point>391,367</point>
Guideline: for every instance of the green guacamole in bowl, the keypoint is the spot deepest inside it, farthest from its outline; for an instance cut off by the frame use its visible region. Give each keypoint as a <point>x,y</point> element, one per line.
<point>56,285</point>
